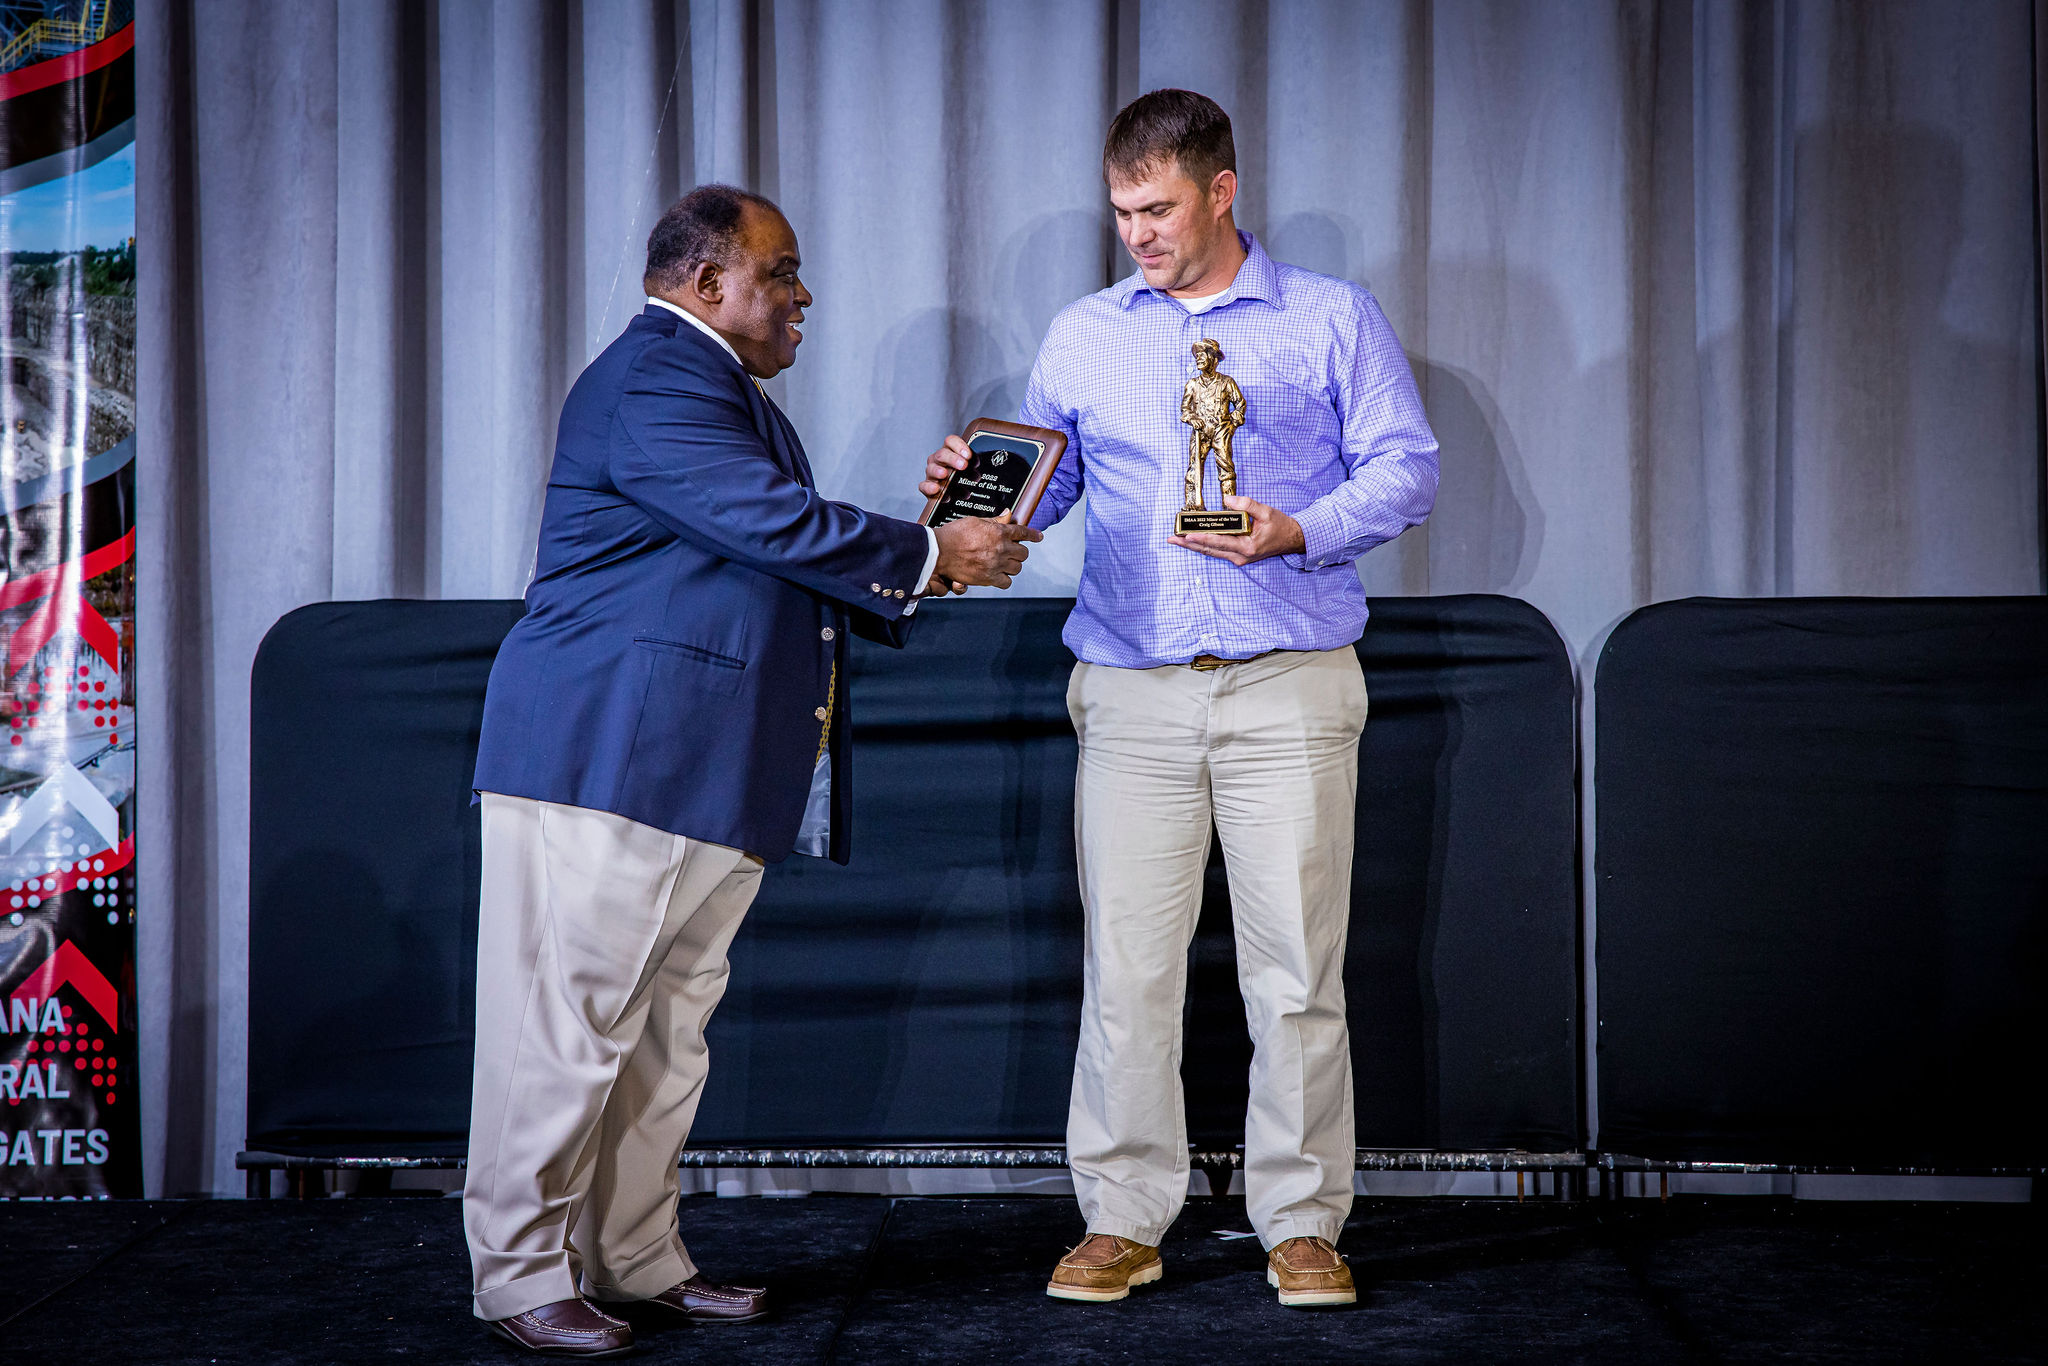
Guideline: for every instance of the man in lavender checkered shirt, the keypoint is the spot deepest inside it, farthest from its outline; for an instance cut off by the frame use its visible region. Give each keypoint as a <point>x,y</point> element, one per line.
<point>1217,683</point>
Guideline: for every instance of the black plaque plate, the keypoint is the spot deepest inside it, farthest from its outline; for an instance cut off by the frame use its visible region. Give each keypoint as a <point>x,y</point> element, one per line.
<point>994,477</point>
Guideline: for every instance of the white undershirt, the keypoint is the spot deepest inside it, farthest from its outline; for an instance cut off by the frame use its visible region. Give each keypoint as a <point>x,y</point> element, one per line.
<point>814,836</point>
<point>1203,304</point>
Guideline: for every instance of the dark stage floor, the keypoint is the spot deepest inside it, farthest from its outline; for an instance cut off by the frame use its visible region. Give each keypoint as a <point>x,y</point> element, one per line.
<point>869,1279</point>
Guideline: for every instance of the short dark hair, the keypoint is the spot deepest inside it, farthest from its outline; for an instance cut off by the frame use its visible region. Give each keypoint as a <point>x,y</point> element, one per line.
<point>1176,126</point>
<point>701,226</point>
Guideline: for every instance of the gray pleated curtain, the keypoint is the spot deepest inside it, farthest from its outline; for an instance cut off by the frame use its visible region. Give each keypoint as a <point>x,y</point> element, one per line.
<point>1727,298</point>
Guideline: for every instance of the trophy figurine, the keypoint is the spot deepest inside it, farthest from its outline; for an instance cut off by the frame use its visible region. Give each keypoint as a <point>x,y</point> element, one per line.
<point>1213,407</point>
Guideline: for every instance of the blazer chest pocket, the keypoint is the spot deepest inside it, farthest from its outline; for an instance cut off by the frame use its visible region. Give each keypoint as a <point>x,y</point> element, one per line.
<point>693,666</point>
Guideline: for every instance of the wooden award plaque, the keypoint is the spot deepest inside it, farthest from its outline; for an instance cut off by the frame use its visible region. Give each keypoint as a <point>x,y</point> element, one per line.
<point>1008,471</point>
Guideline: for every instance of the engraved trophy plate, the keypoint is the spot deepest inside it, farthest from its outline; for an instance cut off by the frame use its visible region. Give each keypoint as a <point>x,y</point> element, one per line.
<point>1219,523</point>
<point>1213,408</point>
<point>1010,466</point>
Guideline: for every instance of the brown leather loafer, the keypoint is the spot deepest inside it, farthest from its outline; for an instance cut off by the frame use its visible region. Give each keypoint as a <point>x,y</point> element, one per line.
<point>1309,1272</point>
<point>699,1301</point>
<point>1104,1267</point>
<point>566,1328</point>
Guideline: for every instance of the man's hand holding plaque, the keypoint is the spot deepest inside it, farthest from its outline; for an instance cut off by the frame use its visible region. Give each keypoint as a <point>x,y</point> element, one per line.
<point>986,483</point>
<point>979,551</point>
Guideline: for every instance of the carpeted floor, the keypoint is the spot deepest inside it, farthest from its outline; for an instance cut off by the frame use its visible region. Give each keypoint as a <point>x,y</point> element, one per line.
<point>865,1279</point>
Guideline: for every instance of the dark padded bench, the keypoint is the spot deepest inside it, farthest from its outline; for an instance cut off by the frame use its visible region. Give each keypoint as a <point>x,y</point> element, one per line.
<point>1822,861</point>
<point>920,1006</point>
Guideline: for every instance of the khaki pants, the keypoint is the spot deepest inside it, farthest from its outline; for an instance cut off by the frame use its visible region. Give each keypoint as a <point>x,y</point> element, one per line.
<point>600,956</point>
<point>1268,750</point>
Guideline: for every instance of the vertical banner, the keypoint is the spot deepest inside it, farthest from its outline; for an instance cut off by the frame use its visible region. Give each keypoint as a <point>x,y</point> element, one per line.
<point>68,1123</point>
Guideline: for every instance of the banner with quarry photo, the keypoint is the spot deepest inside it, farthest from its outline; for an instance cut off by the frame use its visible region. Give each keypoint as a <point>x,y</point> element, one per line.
<point>68,1123</point>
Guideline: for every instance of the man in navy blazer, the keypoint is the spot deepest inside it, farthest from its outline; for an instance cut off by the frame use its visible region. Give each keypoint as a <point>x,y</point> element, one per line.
<point>671,711</point>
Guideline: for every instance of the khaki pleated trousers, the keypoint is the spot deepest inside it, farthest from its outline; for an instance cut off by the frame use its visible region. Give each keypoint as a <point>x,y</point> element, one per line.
<point>1267,750</point>
<point>601,952</point>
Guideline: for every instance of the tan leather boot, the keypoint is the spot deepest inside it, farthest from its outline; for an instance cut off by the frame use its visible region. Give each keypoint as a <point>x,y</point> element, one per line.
<point>1104,1267</point>
<point>1309,1272</point>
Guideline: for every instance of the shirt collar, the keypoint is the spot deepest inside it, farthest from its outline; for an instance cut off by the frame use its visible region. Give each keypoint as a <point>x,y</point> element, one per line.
<point>693,320</point>
<point>1256,279</point>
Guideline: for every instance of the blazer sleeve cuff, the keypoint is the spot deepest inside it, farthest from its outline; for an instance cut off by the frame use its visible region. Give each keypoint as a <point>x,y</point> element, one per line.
<point>894,592</point>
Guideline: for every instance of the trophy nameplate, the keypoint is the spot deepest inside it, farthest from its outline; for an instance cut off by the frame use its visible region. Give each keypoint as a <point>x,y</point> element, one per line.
<point>1008,470</point>
<point>1216,523</point>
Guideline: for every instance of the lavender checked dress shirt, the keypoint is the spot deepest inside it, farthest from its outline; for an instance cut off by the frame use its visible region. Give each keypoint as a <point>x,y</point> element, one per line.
<point>1334,435</point>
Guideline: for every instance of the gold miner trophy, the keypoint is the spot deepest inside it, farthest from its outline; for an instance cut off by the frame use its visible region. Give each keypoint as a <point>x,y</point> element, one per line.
<point>1213,407</point>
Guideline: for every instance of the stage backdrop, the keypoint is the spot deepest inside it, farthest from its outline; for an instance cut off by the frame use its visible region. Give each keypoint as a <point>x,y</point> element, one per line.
<point>930,992</point>
<point>1731,298</point>
<point>69,1097</point>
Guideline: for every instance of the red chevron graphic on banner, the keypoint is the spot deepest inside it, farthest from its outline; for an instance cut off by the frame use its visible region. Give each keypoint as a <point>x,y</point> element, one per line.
<point>58,587</point>
<point>69,966</point>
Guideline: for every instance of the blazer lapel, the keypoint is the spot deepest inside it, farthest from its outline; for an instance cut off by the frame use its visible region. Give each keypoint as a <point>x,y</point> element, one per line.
<point>792,448</point>
<point>773,428</point>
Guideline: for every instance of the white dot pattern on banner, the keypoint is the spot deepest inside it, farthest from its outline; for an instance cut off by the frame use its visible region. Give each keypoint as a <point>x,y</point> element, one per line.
<point>1335,436</point>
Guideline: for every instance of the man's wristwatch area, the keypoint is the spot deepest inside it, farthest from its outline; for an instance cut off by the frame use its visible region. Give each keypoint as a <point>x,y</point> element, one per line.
<point>924,576</point>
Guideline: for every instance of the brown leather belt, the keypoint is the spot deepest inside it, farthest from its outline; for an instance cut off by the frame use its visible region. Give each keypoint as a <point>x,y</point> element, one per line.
<point>1205,663</point>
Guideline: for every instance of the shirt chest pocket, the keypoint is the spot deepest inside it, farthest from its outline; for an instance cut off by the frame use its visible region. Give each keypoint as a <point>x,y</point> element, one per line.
<point>1287,399</point>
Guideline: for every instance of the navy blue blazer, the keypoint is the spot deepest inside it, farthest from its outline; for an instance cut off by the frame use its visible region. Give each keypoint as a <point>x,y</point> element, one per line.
<point>692,594</point>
